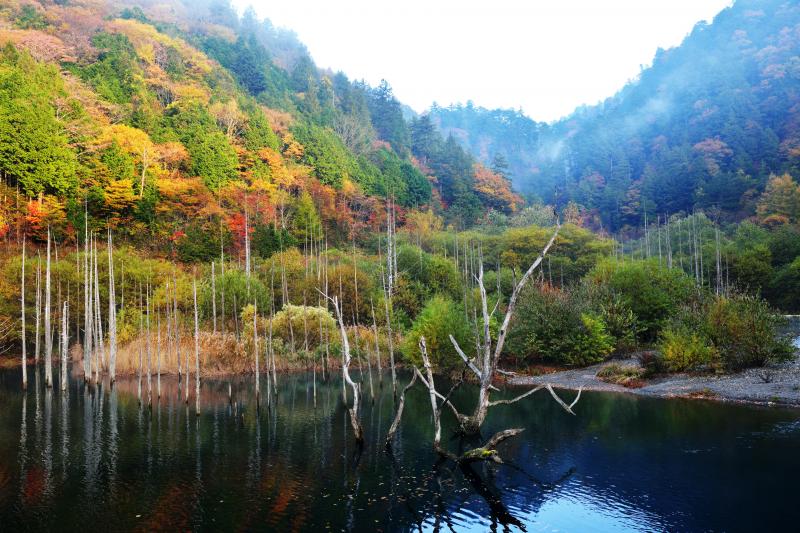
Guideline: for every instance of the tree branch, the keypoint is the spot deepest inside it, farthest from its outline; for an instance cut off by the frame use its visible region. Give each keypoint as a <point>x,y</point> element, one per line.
<point>518,398</point>
<point>399,414</point>
<point>469,363</point>
<point>562,403</point>
<point>488,451</point>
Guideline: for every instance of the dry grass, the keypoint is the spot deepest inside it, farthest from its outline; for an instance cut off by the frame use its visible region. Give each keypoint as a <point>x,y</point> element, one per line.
<point>625,375</point>
<point>219,354</point>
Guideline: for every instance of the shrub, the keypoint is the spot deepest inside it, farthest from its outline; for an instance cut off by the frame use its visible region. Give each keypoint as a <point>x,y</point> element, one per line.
<point>745,331</point>
<point>315,320</point>
<point>684,350</point>
<point>620,321</point>
<point>652,292</point>
<point>557,326</point>
<point>439,319</point>
<point>734,332</point>
<point>651,362</point>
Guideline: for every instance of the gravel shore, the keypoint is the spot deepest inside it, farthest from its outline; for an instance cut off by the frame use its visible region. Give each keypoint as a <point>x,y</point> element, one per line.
<point>773,386</point>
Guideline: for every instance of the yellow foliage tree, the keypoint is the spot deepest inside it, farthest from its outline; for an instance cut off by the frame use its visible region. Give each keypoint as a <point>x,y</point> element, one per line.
<point>137,143</point>
<point>781,198</point>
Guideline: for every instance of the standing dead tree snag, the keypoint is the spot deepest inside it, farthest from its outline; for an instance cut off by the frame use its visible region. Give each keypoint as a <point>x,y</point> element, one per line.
<point>346,358</point>
<point>487,452</point>
<point>484,366</point>
<point>22,312</point>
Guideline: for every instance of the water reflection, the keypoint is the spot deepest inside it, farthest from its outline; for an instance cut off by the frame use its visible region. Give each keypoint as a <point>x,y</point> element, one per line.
<point>624,463</point>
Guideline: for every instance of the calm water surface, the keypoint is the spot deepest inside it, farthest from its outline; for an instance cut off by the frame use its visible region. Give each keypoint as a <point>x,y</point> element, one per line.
<point>93,457</point>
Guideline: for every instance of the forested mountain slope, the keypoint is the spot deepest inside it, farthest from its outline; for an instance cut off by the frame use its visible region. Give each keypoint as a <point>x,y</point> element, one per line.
<point>702,128</point>
<point>175,121</point>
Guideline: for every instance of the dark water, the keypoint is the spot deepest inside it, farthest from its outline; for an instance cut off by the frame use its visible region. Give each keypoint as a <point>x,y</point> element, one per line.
<point>93,459</point>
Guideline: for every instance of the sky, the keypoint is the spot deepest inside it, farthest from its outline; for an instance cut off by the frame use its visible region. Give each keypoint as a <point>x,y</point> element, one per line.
<point>543,57</point>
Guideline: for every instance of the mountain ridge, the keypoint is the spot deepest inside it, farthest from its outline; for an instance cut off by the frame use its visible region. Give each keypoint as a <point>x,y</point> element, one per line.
<point>702,128</point>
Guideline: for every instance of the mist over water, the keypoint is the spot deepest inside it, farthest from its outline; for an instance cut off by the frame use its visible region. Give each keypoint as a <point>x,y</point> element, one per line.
<point>94,456</point>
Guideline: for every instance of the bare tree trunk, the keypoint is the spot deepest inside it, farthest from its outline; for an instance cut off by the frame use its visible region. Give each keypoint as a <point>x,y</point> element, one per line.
<point>222,287</point>
<point>196,351</point>
<point>390,339</point>
<point>489,356</point>
<point>149,350</point>
<point>64,345</point>
<point>100,343</point>
<point>271,351</point>
<point>112,313</point>
<point>399,414</point>
<point>88,318</point>
<point>236,315</point>
<point>435,409</point>
<point>158,352</point>
<point>141,362</point>
<point>36,345</point>
<point>255,350</point>
<point>214,296</point>
<point>176,326</point>
<point>354,413</point>
<point>668,243</point>
<point>718,262</point>
<point>658,232</point>
<point>377,344</point>
<point>22,312</point>
<point>48,340</point>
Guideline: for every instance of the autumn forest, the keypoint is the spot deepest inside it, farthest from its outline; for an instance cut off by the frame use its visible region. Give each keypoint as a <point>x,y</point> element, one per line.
<point>192,210</point>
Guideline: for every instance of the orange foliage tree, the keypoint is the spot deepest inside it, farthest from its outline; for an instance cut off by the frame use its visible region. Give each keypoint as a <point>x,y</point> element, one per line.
<point>495,190</point>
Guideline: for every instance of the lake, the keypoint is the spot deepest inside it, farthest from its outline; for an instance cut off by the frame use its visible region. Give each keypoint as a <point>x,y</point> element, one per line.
<point>93,458</point>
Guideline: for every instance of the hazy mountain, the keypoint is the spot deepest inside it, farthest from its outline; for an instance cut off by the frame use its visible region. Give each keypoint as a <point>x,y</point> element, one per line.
<point>703,127</point>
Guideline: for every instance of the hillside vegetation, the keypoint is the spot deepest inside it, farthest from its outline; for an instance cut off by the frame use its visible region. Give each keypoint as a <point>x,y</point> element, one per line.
<point>173,120</point>
<point>703,128</point>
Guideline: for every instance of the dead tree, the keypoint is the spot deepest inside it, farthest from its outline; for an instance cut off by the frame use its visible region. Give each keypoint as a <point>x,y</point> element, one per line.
<point>399,414</point>
<point>148,336</point>
<point>36,346</point>
<point>196,351</point>
<point>346,358</point>
<point>158,353</point>
<point>484,366</point>
<point>255,350</point>
<point>88,320</point>
<point>487,452</point>
<point>22,311</point>
<point>214,296</point>
<point>112,313</point>
<point>64,345</point>
<point>98,325</point>
<point>390,338</point>
<point>48,337</point>
<point>377,344</point>
<point>175,326</point>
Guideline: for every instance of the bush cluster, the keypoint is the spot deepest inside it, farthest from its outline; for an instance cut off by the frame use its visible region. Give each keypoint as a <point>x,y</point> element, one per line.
<point>727,332</point>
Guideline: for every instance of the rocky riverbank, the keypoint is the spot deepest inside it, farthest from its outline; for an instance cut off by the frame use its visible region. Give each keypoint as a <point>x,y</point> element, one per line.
<point>778,385</point>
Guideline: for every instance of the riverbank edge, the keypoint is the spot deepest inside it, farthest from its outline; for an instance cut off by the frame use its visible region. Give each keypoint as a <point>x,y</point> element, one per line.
<point>746,387</point>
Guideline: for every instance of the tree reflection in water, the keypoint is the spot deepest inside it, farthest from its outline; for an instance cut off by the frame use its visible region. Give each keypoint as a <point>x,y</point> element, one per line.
<point>94,455</point>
